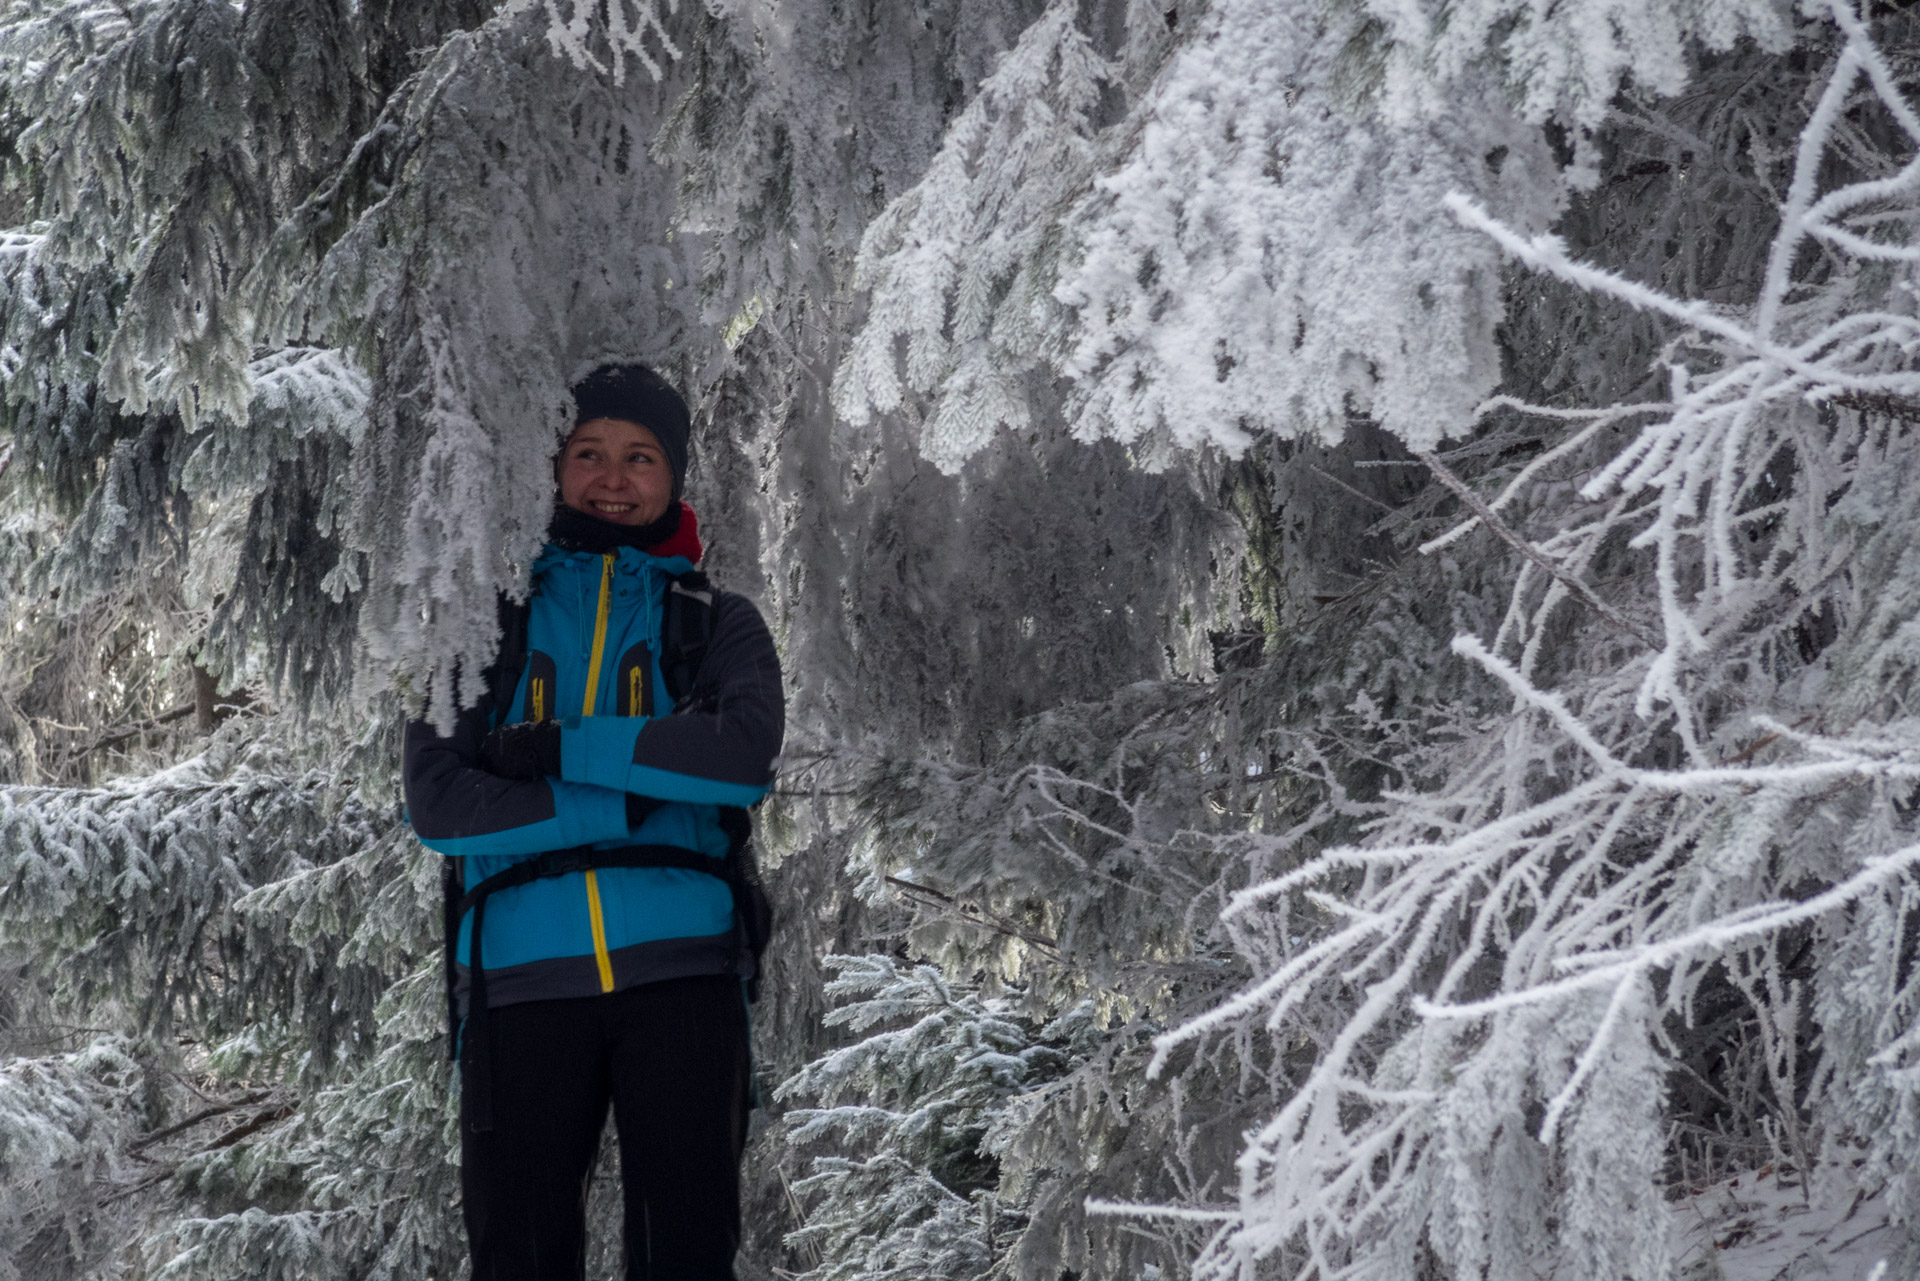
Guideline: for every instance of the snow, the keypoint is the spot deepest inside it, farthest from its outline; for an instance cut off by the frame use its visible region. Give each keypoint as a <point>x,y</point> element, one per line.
<point>1766,1226</point>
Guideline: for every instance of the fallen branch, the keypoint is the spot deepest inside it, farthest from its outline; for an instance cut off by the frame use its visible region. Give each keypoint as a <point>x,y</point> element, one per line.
<point>204,1114</point>
<point>267,1117</point>
<point>253,1125</point>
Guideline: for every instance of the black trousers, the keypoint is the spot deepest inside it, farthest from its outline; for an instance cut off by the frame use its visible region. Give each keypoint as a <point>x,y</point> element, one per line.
<point>671,1057</point>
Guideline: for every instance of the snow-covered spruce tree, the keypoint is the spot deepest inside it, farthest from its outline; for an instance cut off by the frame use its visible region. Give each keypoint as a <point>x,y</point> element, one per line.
<point>289,318</point>
<point>1617,890</point>
<point>933,1103</point>
<point>1697,788</point>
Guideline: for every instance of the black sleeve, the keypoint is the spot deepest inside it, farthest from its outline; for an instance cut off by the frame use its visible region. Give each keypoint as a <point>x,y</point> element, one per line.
<point>730,734</point>
<point>458,808</point>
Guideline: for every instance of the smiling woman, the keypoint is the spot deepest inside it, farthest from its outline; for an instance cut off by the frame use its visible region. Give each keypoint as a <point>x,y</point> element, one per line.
<point>589,806</point>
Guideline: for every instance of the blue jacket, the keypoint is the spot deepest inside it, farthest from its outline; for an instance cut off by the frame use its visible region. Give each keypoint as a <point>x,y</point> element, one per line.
<point>593,663</point>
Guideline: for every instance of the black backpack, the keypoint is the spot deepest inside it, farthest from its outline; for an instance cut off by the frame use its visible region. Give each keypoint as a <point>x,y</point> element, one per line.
<point>686,628</point>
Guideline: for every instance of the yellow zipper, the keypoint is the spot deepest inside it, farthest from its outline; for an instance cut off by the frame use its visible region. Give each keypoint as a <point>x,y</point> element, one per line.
<point>599,631</point>
<point>600,956</point>
<point>594,917</point>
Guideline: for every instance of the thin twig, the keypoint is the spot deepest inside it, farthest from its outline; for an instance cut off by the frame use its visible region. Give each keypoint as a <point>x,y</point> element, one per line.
<point>135,731</point>
<point>811,1246</point>
<point>1365,498</point>
<point>1747,753</point>
<point>141,1186</point>
<point>204,1114</point>
<point>1506,534</point>
<point>980,916</point>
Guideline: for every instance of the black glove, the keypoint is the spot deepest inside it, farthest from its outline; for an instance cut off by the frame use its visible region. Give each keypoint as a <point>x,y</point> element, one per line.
<point>638,807</point>
<point>530,749</point>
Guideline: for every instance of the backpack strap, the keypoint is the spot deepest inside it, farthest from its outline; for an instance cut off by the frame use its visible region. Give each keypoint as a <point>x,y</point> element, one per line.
<point>450,891</point>
<point>752,908</point>
<point>686,627</point>
<point>503,677</point>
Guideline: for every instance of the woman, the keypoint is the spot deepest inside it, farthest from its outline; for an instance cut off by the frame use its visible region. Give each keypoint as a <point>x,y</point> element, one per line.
<point>600,983</point>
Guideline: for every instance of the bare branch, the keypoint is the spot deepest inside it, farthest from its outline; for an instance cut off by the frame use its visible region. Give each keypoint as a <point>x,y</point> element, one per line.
<point>1506,534</point>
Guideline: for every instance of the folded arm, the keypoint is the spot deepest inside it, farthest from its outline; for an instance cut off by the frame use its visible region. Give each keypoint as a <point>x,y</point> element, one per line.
<point>460,809</point>
<point>720,751</point>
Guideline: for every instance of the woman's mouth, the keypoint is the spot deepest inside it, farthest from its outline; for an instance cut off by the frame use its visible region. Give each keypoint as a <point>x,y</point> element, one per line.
<point>613,509</point>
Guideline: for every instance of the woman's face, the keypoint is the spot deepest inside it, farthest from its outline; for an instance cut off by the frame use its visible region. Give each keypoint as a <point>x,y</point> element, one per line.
<point>616,470</point>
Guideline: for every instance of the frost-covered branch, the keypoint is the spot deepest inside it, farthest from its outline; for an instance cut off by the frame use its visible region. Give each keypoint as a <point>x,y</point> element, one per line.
<point>1526,936</point>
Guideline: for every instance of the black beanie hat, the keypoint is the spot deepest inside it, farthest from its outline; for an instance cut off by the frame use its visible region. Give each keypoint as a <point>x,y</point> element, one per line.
<point>635,394</point>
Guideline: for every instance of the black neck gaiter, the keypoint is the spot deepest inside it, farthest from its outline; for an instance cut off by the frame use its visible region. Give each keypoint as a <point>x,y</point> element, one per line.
<point>577,531</point>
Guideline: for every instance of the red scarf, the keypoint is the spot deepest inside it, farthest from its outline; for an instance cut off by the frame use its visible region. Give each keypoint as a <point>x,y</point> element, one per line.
<point>684,541</point>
